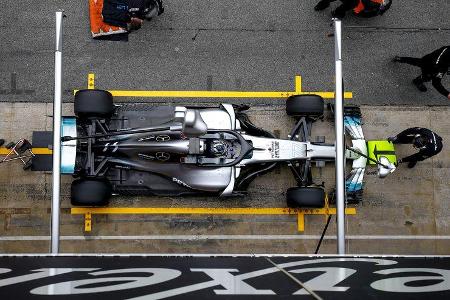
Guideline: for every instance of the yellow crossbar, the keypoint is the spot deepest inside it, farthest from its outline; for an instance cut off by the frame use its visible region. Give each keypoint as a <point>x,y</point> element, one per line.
<point>217,94</point>
<point>88,212</point>
<point>206,210</point>
<point>37,151</point>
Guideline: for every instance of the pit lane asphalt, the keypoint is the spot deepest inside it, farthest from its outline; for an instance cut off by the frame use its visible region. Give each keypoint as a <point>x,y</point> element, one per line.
<point>223,45</point>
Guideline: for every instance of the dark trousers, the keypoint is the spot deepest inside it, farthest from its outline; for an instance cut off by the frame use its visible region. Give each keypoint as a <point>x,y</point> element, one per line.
<point>418,62</point>
<point>345,6</point>
<point>407,135</point>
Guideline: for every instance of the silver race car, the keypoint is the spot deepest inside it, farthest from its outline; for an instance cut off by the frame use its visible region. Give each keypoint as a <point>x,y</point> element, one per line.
<point>140,149</point>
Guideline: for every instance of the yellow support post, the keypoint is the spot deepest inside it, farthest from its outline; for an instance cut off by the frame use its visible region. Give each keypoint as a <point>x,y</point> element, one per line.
<point>87,222</point>
<point>298,84</point>
<point>91,81</point>
<point>300,222</point>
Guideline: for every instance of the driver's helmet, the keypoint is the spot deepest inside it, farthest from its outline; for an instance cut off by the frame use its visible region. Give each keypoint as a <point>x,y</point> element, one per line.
<point>218,148</point>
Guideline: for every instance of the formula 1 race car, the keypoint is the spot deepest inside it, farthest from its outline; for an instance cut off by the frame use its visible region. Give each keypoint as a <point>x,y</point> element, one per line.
<point>140,149</point>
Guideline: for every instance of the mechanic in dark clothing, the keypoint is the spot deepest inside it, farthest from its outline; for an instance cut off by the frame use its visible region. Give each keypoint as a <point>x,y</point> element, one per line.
<point>428,143</point>
<point>361,8</point>
<point>434,66</point>
<point>130,14</point>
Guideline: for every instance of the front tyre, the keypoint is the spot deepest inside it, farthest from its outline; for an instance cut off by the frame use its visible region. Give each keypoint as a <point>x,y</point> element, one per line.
<point>93,104</point>
<point>90,192</point>
<point>305,106</point>
<point>305,197</point>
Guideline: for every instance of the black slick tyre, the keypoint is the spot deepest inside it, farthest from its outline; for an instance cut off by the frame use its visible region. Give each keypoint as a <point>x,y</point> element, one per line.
<point>305,197</point>
<point>305,106</point>
<point>90,192</point>
<point>93,104</point>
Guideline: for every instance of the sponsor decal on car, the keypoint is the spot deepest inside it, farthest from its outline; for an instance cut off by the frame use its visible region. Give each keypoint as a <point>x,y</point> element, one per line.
<point>182,183</point>
<point>275,150</point>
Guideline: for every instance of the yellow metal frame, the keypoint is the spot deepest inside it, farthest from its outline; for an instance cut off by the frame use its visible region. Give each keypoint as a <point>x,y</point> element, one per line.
<point>37,151</point>
<point>216,94</point>
<point>89,212</point>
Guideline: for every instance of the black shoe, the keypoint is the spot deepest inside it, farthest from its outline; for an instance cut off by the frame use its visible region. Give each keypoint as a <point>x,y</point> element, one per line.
<point>412,164</point>
<point>2,141</point>
<point>155,8</point>
<point>419,84</point>
<point>338,13</point>
<point>392,139</point>
<point>321,5</point>
<point>160,6</point>
<point>397,59</point>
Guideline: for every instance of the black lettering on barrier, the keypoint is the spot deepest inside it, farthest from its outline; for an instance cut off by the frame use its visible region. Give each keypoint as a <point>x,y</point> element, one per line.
<point>216,277</point>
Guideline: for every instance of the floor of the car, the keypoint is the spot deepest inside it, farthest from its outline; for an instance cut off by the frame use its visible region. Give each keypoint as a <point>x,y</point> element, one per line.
<point>136,183</point>
<point>141,115</point>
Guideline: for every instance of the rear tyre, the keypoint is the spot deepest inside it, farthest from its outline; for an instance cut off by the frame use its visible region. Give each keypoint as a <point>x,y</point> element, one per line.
<point>305,106</point>
<point>90,192</point>
<point>93,104</point>
<point>309,197</point>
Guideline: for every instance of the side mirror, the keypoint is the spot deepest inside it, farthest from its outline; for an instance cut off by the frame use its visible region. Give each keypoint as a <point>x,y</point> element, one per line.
<point>385,167</point>
<point>193,125</point>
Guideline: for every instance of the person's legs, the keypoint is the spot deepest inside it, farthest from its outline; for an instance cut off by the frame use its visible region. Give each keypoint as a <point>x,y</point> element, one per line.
<point>404,137</point>
<point>154,8</point>
<point>323,4</point>
<point>418,82</point>
<point>417,62</point>
<point>408,60</point>
<point>411,161</point>
<point>340,11</point>
<point>412,164</point>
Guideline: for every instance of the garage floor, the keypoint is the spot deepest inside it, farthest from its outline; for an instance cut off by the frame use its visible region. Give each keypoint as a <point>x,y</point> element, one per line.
<point>406,213</point>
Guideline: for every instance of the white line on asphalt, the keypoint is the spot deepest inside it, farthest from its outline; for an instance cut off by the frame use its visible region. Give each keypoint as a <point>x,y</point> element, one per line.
<point>224,237</point>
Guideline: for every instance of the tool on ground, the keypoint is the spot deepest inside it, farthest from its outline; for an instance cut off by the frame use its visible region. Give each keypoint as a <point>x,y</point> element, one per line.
<point>20,150</point>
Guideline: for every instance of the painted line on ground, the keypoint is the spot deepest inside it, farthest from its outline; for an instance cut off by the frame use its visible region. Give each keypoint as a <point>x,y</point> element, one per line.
<point>225,237</point>
<point>217,94</point>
